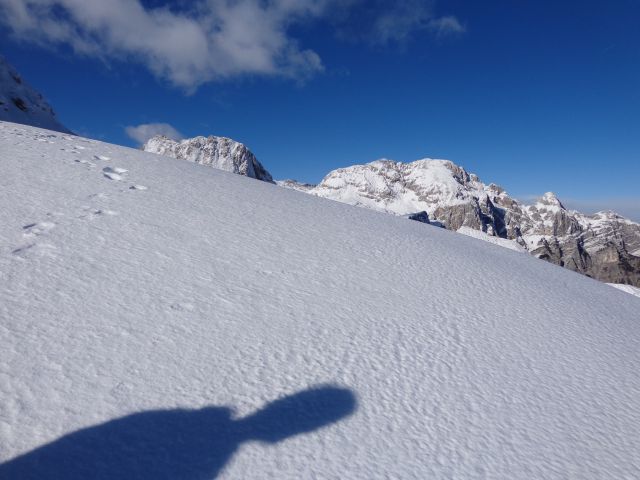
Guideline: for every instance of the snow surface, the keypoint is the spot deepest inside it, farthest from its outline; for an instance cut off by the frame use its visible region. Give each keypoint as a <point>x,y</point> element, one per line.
<point>502,242</point>
<point>348,343</point>
<point>626,288</point>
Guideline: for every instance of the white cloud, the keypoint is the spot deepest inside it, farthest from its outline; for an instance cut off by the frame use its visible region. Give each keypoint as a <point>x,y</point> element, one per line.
<point>203,40</point>
<point>214,39</point>
<point>145,131</point>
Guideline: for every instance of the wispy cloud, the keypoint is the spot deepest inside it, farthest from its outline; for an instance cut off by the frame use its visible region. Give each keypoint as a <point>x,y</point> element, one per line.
<point>191,43</point>
<point>145,131</point>
<point>444,26</point>
<point>380,22</point>
<point>627,207</point>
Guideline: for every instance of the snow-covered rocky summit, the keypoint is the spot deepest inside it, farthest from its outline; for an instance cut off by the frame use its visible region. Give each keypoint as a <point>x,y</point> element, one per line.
<point>160,319</point>
<point>217,152</point>
<point>20,103</point>
<point>604,246</point>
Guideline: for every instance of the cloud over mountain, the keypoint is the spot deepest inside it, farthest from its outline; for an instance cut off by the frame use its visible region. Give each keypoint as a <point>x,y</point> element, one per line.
<point>145,131</point>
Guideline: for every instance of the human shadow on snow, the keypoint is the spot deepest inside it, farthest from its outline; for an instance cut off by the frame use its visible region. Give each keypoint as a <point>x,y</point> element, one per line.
<point>176,444</point>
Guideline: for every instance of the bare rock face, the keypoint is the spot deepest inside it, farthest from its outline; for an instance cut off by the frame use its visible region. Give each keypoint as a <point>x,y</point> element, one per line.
<point>295,185</point>
<point>217,152</point>
<point>21,103</point>
<point>604,246</point>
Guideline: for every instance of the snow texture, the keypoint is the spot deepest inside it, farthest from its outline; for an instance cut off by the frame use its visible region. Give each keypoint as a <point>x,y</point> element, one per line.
<point>627,288</point>
<point>214,325</point>
<point>503,242</point>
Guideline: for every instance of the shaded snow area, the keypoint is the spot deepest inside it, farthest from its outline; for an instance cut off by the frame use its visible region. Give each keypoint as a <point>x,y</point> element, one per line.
<point>627,288</point>
<point>165,320</point>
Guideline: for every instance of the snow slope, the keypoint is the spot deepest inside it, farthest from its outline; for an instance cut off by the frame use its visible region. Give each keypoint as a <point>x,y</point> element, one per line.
<point>627,288</point>
<point>143,297</point>
<point>480,235</point>
<point>20,103</point>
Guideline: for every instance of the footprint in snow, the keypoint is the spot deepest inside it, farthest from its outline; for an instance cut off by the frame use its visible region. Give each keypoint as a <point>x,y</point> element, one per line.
<point>114,173</point>
<point>37,229</point>
<point>104,158</point>
<point>100,196</point>
<point>137,187</point>
<point>85,162</point>
<point>92,213</point>
<point>35,250</point>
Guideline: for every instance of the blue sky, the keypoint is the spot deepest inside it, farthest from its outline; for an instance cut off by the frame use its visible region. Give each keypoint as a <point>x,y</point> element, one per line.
<point>533,95</point>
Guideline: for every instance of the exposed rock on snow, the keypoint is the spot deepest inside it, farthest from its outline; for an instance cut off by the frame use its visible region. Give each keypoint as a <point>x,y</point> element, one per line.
<point>295,185</point>
<point>20,103</point>
<point>218,152</point>
<point>420,217</point>
<point>599,246</point>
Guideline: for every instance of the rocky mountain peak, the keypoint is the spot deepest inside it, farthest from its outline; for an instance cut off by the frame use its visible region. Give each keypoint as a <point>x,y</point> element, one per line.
<point>217,152</point>
<point>605,246</point>
<point>551,199</point>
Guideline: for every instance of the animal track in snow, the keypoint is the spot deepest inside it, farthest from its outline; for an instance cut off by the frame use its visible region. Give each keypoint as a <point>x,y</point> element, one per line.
<point>137,187</point>
<point>104,158</point>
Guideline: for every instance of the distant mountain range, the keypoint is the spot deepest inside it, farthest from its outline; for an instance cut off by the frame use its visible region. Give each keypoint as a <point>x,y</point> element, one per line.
<point>604,246</point>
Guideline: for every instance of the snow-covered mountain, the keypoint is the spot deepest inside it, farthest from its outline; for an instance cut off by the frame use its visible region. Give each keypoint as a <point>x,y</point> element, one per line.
<point>218,152</point>
<point>20,103</point>
<point>604,246</point>
<point>160,319</point>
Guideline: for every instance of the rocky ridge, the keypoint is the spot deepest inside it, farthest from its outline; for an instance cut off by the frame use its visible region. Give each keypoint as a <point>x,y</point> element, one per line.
<point>217,152</point>
<point>604,246</point>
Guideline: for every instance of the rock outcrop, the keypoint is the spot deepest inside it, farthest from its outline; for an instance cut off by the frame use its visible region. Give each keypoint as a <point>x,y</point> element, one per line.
<point>217,152</point>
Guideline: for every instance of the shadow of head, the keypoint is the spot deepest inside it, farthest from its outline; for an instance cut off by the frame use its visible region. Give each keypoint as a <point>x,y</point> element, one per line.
<point>296,414</point>
<point>177,444</point>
